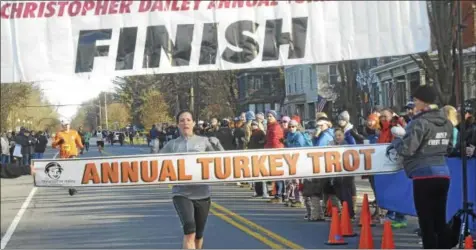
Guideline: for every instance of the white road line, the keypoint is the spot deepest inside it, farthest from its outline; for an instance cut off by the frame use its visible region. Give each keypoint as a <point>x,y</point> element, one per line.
<point>16,220</point>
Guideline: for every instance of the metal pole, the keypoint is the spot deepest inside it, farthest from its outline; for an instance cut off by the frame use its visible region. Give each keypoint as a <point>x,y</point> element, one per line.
<point>100,114</point>
<point>464,226</point>
<point>192,93</point>
<point>105,110</point>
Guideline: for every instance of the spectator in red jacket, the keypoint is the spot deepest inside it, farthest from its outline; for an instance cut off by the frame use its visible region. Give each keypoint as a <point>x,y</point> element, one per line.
<point>274,132</point>
<point>388,120</point>
<point>274,139</point>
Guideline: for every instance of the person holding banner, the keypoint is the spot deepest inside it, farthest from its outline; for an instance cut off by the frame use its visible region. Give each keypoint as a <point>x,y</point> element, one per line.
<point>192,202</point>
<point>423,148</point>
<point>68,141</point>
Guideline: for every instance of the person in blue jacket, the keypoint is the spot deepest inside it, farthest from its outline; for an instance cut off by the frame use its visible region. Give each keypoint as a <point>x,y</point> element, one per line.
<point>350,133</point>
<point>327,132</point>
<point>295,139</point>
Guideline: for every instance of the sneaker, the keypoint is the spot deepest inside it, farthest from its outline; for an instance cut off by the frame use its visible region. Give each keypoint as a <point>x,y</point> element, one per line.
<point>275,200</point>
<point>306,217</point>
<point>399,224</point>
<point>316,219</point>
<point>72,191</point>
<point>297,204</point>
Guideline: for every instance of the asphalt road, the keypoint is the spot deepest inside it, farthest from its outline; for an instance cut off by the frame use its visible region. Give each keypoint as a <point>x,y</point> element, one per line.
<point>144,217</point>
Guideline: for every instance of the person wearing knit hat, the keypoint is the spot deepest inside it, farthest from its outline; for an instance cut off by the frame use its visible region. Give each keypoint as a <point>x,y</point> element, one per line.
<point>257,141</point>
<point>261,120</point>
<point>423,149</point>
<point>274,139</point>
<point>351,134</point>
<point>250,117</point>
<point>294,139</point>
<point>296,118</point>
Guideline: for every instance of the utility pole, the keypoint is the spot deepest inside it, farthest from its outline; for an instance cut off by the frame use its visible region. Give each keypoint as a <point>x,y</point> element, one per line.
<point>105,110</point>
<point>192,93</point>
<point>100,114</point>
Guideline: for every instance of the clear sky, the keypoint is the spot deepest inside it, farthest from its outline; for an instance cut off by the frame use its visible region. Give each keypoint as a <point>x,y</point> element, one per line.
<point>74,90</point>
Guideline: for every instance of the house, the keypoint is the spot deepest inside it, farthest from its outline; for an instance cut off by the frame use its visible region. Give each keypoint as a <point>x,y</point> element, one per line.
<point>306,91</point>
<point>395,81</point>
<point>260,90</point>
<point>301,91</point>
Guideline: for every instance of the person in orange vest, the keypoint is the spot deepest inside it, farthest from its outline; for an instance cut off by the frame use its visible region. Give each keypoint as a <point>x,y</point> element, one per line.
<point>68,141</point>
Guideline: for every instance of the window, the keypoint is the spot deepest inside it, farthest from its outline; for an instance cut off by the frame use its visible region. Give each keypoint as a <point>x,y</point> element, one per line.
<point>277,107</point>
<point>333,75</point>
<point>259,108</point>
<point>310,79</point>
<point>252,107</point>
<point>266,81</point>
<point>258,82</point>
<point>295,81</point>
<point>301,73</point>
<point>333,69</point>
<point>267,107</point>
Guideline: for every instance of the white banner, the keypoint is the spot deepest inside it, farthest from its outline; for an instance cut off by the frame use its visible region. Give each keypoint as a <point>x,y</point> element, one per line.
<point>44,39</point>
<point>217,167</point>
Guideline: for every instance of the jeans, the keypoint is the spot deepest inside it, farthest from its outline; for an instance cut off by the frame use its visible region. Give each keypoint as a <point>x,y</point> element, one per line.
<point>25,160</point>
<point>5,159</point>
<point>38,155</point>
<point>279,189</point>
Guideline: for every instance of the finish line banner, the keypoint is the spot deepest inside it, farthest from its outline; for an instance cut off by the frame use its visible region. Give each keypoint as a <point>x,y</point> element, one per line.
<point>216,167</point>
<point>44,39</point>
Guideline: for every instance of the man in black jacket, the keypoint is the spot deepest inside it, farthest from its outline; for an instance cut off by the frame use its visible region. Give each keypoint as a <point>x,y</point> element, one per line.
<point>225,136</point>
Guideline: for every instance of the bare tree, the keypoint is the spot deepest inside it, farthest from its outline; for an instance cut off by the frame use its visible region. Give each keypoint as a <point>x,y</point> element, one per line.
<point>440,67</point>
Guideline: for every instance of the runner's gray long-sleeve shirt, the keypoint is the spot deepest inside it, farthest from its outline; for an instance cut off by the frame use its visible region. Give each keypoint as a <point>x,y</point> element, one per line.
<point>192,144</point>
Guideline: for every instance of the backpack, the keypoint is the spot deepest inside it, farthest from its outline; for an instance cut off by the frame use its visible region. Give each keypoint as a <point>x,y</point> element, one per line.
<point>307,139</point>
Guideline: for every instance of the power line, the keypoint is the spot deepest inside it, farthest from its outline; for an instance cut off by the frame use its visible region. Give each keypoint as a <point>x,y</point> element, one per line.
<point>52,105</point>
<point>57,105</point>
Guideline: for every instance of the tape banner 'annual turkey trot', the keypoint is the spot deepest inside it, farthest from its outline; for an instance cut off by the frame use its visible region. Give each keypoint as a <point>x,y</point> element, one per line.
<point>214,167</point>
<point>44,39</point>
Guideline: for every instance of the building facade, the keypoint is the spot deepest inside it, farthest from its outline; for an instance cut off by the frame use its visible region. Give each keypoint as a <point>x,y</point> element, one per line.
<point>301,91</point>
<point>260,90</point>
<point>395,81</point>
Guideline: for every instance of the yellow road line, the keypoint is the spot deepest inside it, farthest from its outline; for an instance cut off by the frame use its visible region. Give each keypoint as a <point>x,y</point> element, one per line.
<point>251,224</point>
<point>246,230</point>
<point>241,227</point>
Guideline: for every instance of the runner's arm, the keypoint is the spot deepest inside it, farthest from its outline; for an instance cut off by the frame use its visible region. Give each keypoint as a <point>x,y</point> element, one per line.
<point>56,141</point>
<point>78,141</point>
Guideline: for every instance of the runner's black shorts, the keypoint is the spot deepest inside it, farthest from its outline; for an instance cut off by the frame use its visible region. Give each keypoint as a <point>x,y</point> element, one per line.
<point>100,144</point>
<point>193,214</point>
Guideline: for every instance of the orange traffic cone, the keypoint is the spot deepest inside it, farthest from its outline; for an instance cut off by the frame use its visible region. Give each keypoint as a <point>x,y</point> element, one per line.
<point>387,238</point>
<point>345,223</point>
<point>335,235</point>
<point>365,212</point>
<point>366,240</point>
<point>468,242</point>
<point>329,207</point>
